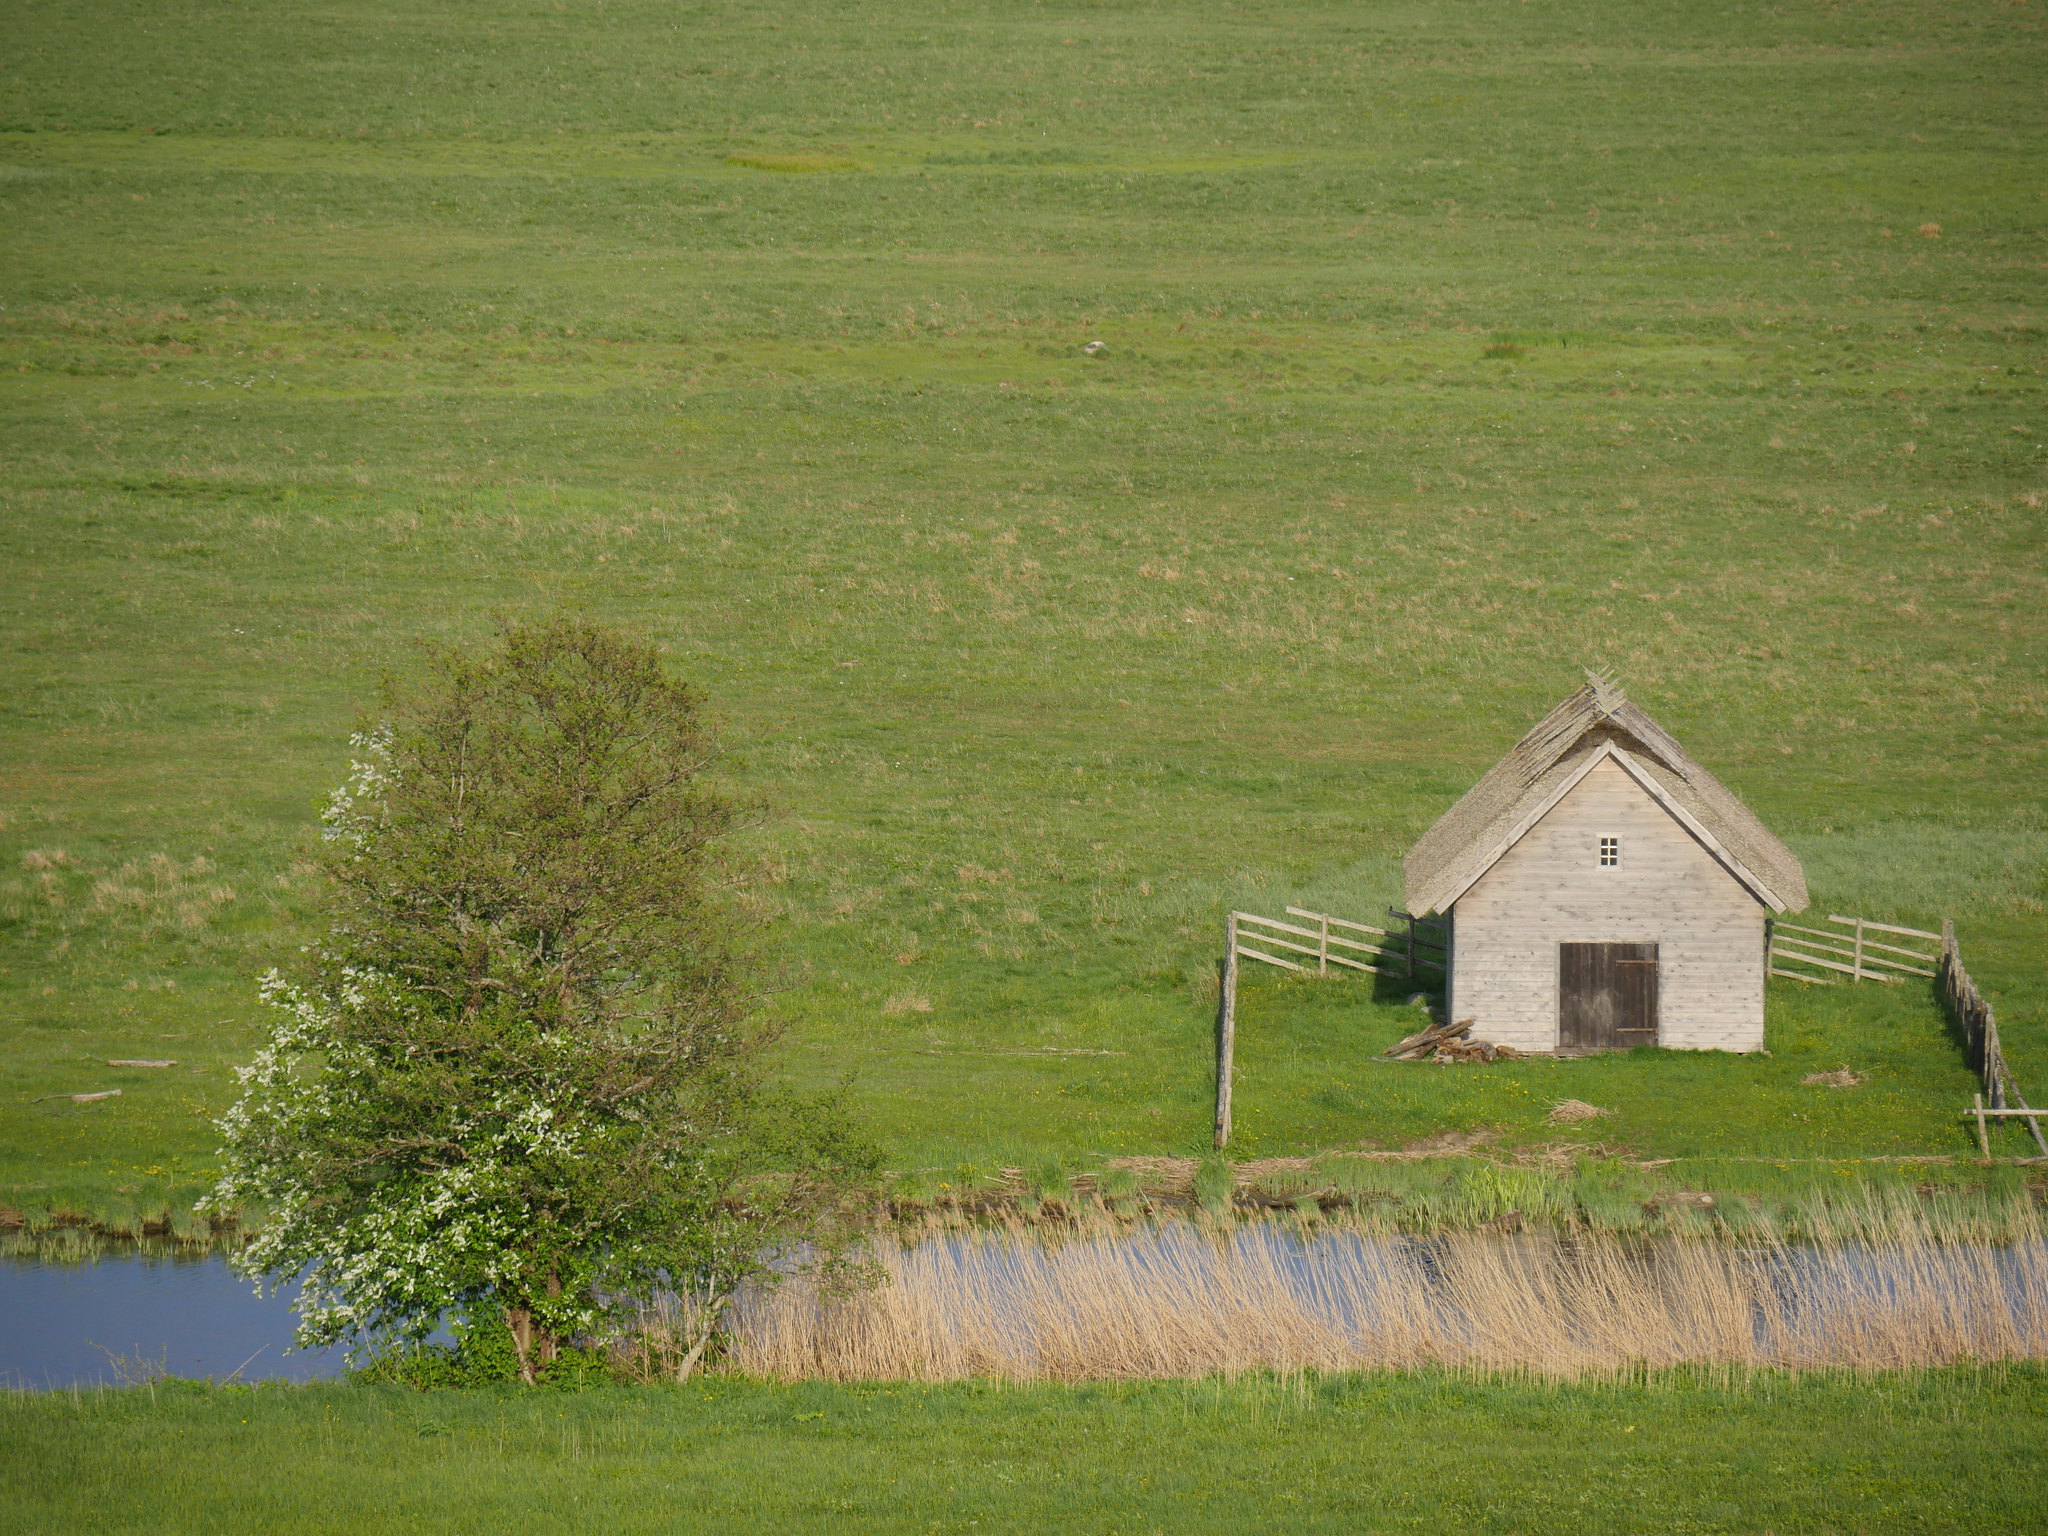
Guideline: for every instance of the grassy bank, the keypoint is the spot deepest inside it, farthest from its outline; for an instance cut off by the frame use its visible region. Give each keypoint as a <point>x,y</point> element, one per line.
<point>1444,351</point>
<point>1744,1197</point>
<point>1908,1452</point>
<point>1741,1199</point>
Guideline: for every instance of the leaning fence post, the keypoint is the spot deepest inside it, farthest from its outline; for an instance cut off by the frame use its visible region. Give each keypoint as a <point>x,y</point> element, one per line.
<point>1983,1136</point>
<point>1857,962</point>
<point>2031,1122</point>
<point>1226,1028</point>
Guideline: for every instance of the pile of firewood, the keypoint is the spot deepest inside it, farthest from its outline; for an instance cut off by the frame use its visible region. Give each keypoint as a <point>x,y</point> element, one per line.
<point>1449,1045</point>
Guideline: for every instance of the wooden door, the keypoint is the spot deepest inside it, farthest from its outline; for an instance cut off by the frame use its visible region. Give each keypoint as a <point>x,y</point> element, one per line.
<point>1606,996</point>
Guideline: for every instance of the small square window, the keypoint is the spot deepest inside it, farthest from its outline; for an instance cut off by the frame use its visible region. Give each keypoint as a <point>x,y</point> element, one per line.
<point>1610,852</point>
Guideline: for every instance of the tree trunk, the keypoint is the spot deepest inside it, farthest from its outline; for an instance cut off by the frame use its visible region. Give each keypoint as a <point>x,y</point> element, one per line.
<point>710,1326</point>
<point>544,1341</point>
<point>520,1321</point>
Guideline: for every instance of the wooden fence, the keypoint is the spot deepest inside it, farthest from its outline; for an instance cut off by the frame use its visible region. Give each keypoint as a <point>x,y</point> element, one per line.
<point>1980,1035</point>
<point>1329,942</point>
<point>1847,950</point>
<point>1852,951</point>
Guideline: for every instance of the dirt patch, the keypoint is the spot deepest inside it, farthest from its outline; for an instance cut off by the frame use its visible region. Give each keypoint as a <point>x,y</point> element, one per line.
<point>1842,1079</point>
<point>1449,1143</point>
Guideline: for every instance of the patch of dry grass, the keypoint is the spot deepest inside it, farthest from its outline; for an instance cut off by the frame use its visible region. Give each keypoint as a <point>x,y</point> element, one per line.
<point>1843,1078</point>
<point>61,897</point>
<point>1574,1111</point>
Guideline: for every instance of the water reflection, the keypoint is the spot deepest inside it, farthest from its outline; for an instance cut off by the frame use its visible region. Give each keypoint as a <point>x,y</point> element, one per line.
<point>1174,1300</point>
<point>1178,1300</point>
<point>82,1323</point>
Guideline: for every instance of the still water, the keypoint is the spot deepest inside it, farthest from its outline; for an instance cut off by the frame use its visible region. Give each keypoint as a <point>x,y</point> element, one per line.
<point>82,1323</point>
<point>125,1318</point>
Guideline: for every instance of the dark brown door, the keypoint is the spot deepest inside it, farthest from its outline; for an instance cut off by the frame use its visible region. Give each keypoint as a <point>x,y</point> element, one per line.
<point>1606,996</point>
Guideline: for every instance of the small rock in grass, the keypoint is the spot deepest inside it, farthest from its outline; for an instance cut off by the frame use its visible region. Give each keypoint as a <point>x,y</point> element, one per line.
<point>1095,348</point>
<point>1571,1111</point>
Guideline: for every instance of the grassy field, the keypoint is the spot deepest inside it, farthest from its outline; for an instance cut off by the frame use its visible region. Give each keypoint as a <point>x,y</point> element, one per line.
<point>1446,349</point>
<point>1937,1451</point>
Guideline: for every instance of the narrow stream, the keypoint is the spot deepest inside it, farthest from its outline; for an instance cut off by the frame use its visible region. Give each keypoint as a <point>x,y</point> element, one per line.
<point>125,1318</point>
<point>1337,1300</point>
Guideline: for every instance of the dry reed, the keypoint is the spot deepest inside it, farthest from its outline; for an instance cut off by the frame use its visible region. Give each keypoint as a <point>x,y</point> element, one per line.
<point>1176,1299</point>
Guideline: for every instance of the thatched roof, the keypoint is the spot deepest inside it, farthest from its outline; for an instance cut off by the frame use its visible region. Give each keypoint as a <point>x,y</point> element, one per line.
<point>1595,724</point>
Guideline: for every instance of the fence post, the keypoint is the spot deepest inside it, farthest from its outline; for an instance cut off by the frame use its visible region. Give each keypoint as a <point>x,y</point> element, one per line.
<point>1952,991</point>
<point>1994,1056</point>
<point>1226,1029</point>
<point>1857,963</point>
<point>1323,946</point>
<point>1409,976</point>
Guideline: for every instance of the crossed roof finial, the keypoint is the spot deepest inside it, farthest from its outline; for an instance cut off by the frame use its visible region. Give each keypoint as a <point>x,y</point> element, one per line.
<point>1597,724</point>
<point>1607,694</point>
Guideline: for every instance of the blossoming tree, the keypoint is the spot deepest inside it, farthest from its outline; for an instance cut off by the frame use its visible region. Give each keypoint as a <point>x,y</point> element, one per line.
<point>515,1076</point>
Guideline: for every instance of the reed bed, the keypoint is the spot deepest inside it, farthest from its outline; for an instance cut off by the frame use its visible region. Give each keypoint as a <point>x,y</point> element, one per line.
<point>1178,1299</point>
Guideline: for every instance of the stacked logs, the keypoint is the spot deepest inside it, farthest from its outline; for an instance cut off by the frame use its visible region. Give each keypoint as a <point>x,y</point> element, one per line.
<point>1449,1045</point>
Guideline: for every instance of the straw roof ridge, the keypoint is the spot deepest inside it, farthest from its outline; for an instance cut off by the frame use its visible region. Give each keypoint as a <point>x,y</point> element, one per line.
<point>1468,838</point>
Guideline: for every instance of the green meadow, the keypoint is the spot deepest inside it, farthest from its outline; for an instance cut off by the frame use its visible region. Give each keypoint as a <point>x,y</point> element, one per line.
<point>1665,1452</point>
<point>1444,350</point>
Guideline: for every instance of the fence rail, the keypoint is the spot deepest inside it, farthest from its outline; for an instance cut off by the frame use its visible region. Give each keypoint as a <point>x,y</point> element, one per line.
<point>1395,952</point>
<point>1850,951</point>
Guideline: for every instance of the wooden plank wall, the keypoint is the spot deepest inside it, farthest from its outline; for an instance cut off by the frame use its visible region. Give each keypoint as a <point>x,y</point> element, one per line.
<point>1668,890</point>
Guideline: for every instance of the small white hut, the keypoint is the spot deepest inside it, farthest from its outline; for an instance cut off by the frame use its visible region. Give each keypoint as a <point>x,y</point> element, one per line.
<point>1603,890</point>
